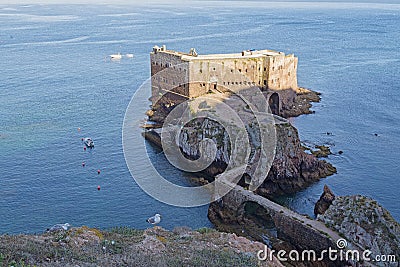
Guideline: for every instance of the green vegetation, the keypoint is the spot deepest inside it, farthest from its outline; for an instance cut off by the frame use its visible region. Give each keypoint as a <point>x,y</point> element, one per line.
<point>206,230</point>
<point>123,246</point>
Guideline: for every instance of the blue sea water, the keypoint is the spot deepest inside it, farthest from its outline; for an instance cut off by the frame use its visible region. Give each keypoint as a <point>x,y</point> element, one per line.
<point>55,78</point>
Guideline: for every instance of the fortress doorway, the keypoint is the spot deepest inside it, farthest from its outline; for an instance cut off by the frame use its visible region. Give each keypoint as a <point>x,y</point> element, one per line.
<point>274,103</point>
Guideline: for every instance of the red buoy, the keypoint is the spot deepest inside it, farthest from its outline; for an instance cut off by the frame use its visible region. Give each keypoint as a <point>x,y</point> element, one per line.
<point>84,148</point>
<point>83,164</point>
<point>98,171</point>
<point>82,139</point>
<point>98,187</point>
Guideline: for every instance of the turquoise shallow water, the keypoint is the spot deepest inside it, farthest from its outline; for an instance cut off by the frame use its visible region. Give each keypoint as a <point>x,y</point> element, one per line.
<point>55,78</point>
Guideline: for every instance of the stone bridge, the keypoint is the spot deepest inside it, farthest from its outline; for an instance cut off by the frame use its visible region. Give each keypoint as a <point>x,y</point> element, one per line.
<point>300,231</point>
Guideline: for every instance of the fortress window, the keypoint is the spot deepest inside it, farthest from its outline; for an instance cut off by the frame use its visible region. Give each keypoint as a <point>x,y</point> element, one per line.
<point>201,71</point>
<point>156,63</point>
<point>240,70</point>
<point>265,69</point>
<point>246,70</point>
<point>213,68</point>
<point>228,83</point>
<point>273,68</point>
<point>236,83</point>
<point>289,74</point>
<point>231,70</point>
<point>215,86</point>
<point>240,83</point>
<point>224,83</point>
<point>265,82</point>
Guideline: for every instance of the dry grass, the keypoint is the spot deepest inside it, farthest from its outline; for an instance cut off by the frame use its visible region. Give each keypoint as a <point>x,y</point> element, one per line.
<point>120,246</point>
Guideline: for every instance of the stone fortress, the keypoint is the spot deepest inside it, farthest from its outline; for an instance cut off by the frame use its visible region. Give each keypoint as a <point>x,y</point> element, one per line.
<point>181,76</point>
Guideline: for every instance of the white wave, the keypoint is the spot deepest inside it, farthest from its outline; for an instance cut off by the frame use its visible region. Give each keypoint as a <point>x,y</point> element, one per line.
<point>21,28</point>
<point>9,9</point>
<point>160,11</point>
<point>120,15</point>
<point>207,36</point>
<point>373,62</point>
<point>106,42</point>
<point>303,5</point>
<point>79,40</point>
<point>39,18</point>
<point>72,40</point>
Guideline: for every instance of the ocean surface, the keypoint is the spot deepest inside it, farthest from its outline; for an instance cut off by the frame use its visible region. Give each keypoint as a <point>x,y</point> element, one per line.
<point>55,78</point>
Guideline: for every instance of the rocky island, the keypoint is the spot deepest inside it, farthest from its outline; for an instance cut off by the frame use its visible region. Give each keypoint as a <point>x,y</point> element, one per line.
<point>184,77</point>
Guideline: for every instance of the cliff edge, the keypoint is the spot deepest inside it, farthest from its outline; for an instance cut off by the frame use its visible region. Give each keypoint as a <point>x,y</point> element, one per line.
<point>122,246</point>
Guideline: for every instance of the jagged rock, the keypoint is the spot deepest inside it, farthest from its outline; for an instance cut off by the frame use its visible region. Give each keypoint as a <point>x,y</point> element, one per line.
<point>292,169</point>
<point>324,201</point>
<point>363,221</point>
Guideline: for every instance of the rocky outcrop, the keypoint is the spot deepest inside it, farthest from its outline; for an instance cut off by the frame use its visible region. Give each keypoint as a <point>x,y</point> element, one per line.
<point>300,103</point>
<point>324,201</point>
<point>363,221</point>
<point>292,168</point>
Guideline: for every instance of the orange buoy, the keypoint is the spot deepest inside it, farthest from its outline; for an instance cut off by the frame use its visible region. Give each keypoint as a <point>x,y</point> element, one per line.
<point>98,171</point>
<point>98,188</point>
<point>83,164</point>
<point>79,129</point>
<point>84,148</point>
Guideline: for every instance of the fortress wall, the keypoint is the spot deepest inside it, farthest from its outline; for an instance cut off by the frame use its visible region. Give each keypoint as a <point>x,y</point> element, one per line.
<point>193,76</point>
<point>175,75</point>
<point>223,73</point>
<point>282,72</point>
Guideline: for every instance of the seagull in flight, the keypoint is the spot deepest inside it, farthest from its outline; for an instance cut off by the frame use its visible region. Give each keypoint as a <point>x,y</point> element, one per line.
<point>155,219</point>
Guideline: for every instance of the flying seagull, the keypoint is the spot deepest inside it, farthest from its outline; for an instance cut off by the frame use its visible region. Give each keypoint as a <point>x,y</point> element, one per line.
<point>155,219</point>
<point>59,227</point>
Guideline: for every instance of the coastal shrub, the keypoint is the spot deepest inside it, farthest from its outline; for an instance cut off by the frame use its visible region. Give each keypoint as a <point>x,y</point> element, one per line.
<point>126,231</point>
<point>207,257</point>
<point>84,228</point>
<point>162,239</point>
<point>206,230</point>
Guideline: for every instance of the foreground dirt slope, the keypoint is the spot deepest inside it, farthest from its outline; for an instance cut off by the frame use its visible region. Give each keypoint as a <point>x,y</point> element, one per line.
<point>124,246</point>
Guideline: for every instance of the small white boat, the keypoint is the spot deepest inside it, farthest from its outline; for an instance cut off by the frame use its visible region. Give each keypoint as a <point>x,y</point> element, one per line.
<point>88,142</point>
<point>129,55</point>
<point>116,56</point>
